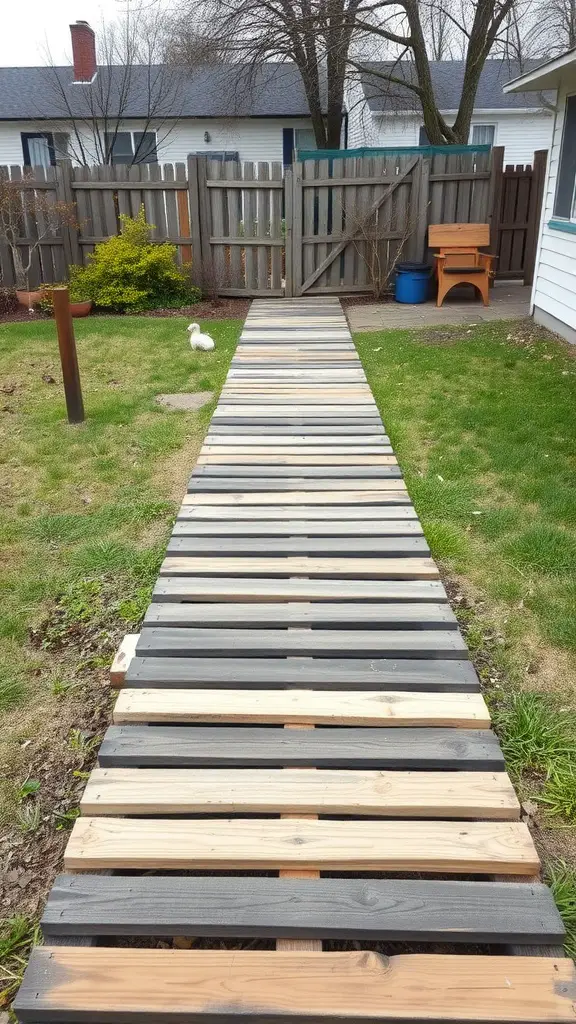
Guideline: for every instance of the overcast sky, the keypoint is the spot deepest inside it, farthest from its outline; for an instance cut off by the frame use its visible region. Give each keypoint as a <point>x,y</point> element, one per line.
<point>28,27</point>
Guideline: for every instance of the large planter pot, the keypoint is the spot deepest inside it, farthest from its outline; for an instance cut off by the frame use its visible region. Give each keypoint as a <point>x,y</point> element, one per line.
<point>27,298</point>
<point>81,308</point>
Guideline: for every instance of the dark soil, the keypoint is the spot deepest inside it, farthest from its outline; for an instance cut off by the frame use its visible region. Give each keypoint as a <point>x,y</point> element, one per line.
<point>207,309</point>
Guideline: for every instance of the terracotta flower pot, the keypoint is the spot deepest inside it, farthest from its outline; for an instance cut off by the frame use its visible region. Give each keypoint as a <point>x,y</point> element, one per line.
<point>28,298</point>
<point>81,308</point>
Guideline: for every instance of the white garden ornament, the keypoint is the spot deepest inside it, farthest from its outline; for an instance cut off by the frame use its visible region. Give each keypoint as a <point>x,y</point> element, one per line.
<point>198,340</point>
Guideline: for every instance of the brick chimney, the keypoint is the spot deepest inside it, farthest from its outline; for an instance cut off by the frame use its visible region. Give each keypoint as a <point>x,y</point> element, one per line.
<point>83,51</point>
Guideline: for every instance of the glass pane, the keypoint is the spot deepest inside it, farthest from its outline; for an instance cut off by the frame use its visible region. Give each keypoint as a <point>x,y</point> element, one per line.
<point>423,139</point>
<point>304,138</point>
<point>483,134</point>
<point>564,201</point>
<point>120,144</point>
<point>39,151</point>
<point>145,148</point>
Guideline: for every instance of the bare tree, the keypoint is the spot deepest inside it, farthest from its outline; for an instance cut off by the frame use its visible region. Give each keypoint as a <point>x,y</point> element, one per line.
<point>481,26</point>
<point>131,77</point>
<point>23,205</point>
<point>315,35</point>
<point>552,28</point>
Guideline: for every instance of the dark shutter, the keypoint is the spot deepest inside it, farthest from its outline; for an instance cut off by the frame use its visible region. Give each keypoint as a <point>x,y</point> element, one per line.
<point>287,146</point>
<point>423,139</point>
<point>567,171</point>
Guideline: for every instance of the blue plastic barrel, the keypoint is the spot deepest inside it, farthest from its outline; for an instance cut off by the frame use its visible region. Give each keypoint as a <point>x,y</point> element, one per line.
<point>412,282</point>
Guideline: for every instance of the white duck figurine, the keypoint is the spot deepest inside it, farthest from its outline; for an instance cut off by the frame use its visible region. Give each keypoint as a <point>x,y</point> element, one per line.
<point>199,340</point>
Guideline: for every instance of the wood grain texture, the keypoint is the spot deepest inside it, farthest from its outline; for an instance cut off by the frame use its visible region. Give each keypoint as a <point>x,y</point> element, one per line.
<point>288,513</point>
<point>187,642</point>
<point>312,707</point>
<point>390,496</point>
<point>120,986</point>
<point>415,568</point>
<point>165,746</point>
<point>396,547</point>
<point>241,485</point>
<point>163,791</point>
<point>341,528</point>
<point>256,844</point>
<point>335,674</point>
<point>393,908</point>
<point>336,615</point>
<point>235,589</point>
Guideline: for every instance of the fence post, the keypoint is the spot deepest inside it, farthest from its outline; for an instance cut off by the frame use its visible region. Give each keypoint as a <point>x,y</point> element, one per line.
<point>64,194</point>
<point>297,244</point>
<point>194,215</point>
<point>495,196</point>
<point>419,208</point>
<point>204,223</point>
<point>68,357</point>
<point>534,213</point>
<point>288,233</point>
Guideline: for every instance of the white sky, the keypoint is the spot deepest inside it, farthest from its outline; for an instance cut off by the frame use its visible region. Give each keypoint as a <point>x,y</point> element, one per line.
<point>27,28</point>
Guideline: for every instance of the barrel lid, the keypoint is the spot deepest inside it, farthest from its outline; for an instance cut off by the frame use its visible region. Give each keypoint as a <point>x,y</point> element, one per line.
<point>413,266</point>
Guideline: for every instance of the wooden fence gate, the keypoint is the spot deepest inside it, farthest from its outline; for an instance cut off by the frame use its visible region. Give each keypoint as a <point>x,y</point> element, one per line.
<point>516,214</point>
<point>350,220</point>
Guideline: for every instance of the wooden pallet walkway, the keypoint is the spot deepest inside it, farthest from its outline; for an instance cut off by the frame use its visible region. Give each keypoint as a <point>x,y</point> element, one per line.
<point>301,763</point>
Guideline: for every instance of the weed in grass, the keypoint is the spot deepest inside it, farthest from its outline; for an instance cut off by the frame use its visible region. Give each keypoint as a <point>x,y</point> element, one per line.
<point>17,936</point>
<point>81,743</point>
<point>561,878</point>
<point>65,819</point>
<point>544,548</point>
<point>535,733</point>
<point>28,816</point>
<point>28,788</point>
<point>131,610</point>
<point>559,792</point>
<point>11,692</point>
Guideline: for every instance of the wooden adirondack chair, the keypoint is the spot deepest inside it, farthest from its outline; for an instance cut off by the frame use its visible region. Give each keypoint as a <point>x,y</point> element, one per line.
<point>459,260</point>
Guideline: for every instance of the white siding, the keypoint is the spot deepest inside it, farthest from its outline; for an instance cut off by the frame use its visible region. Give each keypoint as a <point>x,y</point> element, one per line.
<point>362,130</point>
<point>253,138</point>
<point>554,289</point>
<point>520,134</point>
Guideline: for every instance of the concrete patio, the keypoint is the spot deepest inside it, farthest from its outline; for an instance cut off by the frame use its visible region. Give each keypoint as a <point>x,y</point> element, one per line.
<point>508,301</point>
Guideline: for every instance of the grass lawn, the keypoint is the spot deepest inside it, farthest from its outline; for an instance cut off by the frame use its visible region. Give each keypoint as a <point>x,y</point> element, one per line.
<point>85,516</point>
<point>483,421</point>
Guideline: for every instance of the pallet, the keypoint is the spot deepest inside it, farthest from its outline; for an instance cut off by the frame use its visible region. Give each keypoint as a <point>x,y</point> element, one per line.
<point>298,718</point>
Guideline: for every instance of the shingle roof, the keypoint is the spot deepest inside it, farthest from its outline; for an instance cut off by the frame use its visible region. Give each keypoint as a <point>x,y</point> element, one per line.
<point>219,91</point>
<point>448,80</point>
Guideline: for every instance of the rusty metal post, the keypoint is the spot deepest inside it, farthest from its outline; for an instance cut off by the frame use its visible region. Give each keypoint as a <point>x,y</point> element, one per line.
<point>68,357</point>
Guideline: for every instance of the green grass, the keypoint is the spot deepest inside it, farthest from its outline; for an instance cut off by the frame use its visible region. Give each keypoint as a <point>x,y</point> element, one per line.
<point>17,936</point>
<point>86,509</point>
<point>483,421</point>
<point>562,880</point>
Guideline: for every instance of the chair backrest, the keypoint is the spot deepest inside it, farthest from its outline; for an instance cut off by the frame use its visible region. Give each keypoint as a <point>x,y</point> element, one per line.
<point>446,235</point>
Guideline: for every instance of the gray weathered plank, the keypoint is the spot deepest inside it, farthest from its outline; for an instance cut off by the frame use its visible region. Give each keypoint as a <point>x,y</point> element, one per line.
<point>317,614</point>
<point>344,546</point>
<point>176,588</point>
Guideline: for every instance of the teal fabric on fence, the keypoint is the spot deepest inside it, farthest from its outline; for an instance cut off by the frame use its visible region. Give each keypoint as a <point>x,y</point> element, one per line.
<point>340,154</point>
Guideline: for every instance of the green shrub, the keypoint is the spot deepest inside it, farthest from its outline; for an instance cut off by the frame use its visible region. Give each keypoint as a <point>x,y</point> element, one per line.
<point>129,273</point>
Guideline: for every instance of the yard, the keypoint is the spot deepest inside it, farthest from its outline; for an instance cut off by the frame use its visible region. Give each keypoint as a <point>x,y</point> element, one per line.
<point>483,421</point>
<point>85,517</point>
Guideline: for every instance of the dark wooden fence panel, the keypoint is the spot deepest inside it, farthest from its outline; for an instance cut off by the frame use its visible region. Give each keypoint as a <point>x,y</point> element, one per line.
<point>517,208</point>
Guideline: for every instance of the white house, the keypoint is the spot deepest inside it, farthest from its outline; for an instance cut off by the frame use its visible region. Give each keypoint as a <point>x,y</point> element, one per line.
<point>384,114</point>
<point>157,113</point>
<point>554,288</point>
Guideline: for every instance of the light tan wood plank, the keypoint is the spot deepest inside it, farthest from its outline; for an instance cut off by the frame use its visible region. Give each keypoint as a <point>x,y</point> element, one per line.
<point>323,459</point>
<point>163,791</point>
<point>394,494</point>
<point>385,568</point>
<point>219,985</point>
<point>251,844</point>
<point>310,707</point>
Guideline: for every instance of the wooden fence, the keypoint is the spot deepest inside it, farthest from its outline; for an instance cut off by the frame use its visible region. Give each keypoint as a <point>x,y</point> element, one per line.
<point>325,226</point>
<point>517,208</point>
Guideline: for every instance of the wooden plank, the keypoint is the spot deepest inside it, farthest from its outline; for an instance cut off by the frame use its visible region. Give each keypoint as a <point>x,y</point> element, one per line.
<point>334,478</point>
<point>407,749</point>
<point>217,440</point>
<point>122,659</point>
<point>337,908</point>
<point>309,707</point>
<point>233,172</point>
<point>114,986</point>
<point>257,844</point>
<point>293,565</point>
<point>333,674</point>
<point>287,513</point>
<point>334,615</point>
<point>163,791</point>
<point>299,527</point>
<point>263,226</point>
<point>339,433</point>
<point>216,199</point>
<point>249,199</point>
<point>233,589</point>
<point>269,457</point>
<point>397,547</point>
<point>391,496</point>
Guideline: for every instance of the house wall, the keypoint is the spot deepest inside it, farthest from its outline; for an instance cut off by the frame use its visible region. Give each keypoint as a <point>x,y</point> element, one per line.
<point>520,134</point>
<point>554,289</point>
<point>253,138</point>
<point>362,130</point>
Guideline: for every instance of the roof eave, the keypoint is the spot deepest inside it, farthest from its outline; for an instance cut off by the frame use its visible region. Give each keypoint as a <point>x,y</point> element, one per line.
<point>484,111</point>
<point>547,76</point>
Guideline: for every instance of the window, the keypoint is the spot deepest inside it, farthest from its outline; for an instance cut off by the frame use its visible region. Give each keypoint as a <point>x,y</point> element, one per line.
<point>132,147</point>
<point>423,139</point>
<point>220,154</point>
<point>304,138</point>
<point>38,149</point>
<point>483,135</point>
<point>564,204</point>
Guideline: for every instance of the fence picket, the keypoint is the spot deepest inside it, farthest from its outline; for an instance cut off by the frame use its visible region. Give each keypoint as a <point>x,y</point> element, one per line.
<point>263,224</point>
<point>276,228</point>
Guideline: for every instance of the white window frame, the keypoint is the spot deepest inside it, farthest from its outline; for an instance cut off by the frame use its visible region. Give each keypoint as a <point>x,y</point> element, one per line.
<point>557,216</point>
<point>484,124</point>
